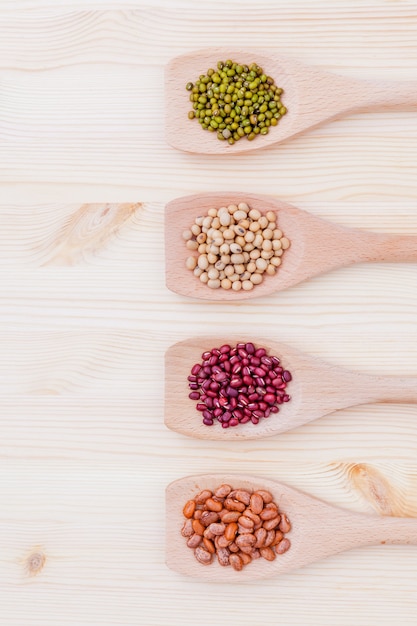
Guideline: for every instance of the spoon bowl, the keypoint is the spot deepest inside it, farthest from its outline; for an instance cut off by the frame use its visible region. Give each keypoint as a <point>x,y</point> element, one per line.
<point>317,245</point>
<point>311,96</point>
<point>317,389</point>
<point>319,530</point>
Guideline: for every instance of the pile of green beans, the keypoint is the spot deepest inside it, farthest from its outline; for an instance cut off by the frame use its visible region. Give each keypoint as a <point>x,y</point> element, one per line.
<point>236,101</point>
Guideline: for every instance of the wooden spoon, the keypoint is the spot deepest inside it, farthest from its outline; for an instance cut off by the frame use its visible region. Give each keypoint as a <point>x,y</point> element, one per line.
<point>311,95</point>
<point>317,245</point>
<point>317,389</point>
<point>319,530</point>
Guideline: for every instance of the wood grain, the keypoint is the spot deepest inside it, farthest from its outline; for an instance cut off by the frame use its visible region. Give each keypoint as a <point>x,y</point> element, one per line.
<point>317,388</point>
<point>73,130</point>
<point>317,246</point>
<point>335,530</point>
<point>85,318</point>
<point>311,96</point>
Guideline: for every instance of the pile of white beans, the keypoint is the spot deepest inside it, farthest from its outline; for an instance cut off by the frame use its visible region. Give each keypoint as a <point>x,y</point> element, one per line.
<point>236,246</point>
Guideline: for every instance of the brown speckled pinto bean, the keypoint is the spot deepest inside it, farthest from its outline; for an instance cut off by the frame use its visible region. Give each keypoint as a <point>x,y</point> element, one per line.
<point>213,505</point>
<point>272,523</point>
<point>230,516</point>
<point>223,556</point>
<point>269,512</point>
<point>223,491</point>
<point>256,503</point>
<point>230,531</point>
<point>284,524</point>
<point>236,562</point>
<point>234,505</point>
<point>253,516</point>
<point>187,529</point>
<point>189,508</point>
<point>203,556</point>
<point>265,495</point>
<point>202,496</point>
<point>217,529</point>
<point>209,545</point>
<point>234,525</point>
<point>209,517</point>
<point>242,496</point>
<point>267,553</point>
<point>194,540</point>
<point>282,546</point>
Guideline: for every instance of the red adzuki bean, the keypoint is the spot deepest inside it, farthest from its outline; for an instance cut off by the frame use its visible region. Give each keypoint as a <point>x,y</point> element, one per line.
<point>237,385</point>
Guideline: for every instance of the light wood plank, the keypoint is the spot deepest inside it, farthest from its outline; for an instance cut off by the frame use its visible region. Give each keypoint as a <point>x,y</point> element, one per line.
<point>89,128</point>
<point>81,133</point>
<point>85,317</point>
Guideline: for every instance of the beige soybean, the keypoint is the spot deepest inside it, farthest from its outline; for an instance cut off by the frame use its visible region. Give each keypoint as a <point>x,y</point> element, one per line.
<point>191,262</point>
<point>239,215</point>
<point>192,245</point>
<point>203,262</point>
<point>261,264</point>
<point>256,279</point>
<point>254,214</point>
<point>213,273</point>
<point>235,236</point>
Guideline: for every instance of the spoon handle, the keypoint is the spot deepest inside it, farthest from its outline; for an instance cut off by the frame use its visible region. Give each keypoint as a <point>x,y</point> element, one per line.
<point>390,388</point>
<point>391,248</point>
<point>389,94</point>
<point>392,530</point>
<point>351,530</point>
<point>345,388</point>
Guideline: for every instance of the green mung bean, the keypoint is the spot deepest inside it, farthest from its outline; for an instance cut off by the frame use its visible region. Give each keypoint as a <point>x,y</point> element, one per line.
<point>236,101</point>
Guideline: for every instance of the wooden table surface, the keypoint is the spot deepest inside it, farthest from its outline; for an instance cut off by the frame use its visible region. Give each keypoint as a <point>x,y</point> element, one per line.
<point>85,173</point>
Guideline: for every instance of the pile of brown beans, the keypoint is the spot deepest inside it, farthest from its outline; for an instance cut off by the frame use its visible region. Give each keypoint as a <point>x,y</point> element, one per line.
<point>235,247</point>
<point>235,525</point>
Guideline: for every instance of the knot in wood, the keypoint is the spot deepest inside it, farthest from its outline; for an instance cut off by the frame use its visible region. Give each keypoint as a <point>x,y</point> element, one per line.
<point>35,563</point>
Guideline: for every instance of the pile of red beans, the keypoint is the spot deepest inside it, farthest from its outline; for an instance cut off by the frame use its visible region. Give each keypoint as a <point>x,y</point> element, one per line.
<point>236,385</point>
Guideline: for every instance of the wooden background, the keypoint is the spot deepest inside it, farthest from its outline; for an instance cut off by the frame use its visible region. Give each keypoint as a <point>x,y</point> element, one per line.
<point>85,315</point>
